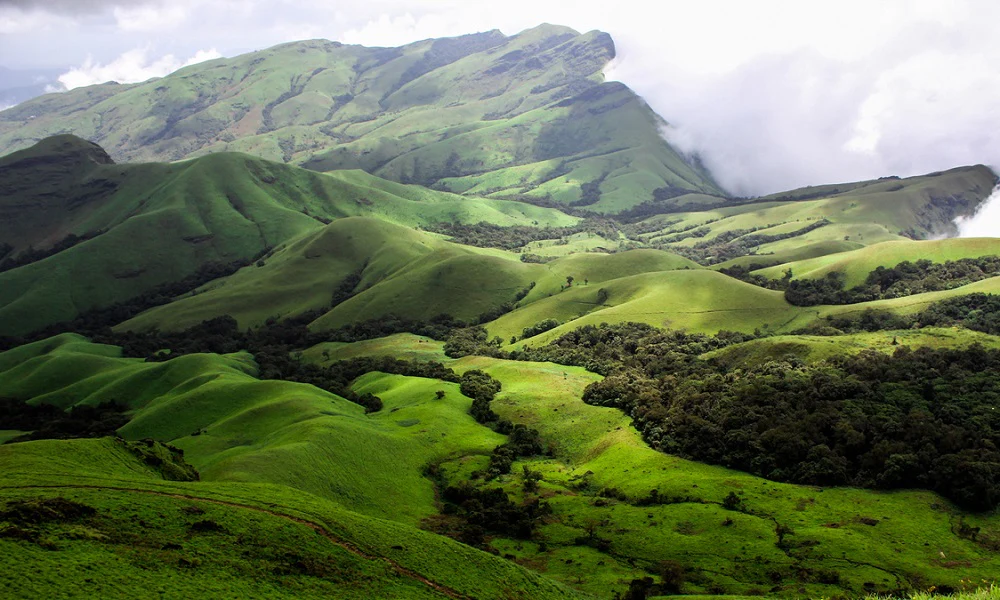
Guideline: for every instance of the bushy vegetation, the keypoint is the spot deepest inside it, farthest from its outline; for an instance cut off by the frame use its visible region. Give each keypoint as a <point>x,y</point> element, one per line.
<point>904,279</point>
<point>923,418</point>
<point>45,421</point>
<point>978,312</point>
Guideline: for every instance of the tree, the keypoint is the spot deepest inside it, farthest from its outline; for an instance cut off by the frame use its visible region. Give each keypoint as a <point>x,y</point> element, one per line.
<point>439,394</point>
<point>569,281</point>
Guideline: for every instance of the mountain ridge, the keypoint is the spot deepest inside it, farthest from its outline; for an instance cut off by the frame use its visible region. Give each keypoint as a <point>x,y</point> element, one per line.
<point>525,117</point>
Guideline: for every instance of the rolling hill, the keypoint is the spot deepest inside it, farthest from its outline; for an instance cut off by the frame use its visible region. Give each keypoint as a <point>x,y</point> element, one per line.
<point>134,227</point>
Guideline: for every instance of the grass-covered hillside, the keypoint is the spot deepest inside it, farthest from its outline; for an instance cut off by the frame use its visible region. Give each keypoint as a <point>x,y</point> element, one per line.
<point>80,232</point>
<point>97,518</point>
<point>281,462</point>
<point>483,114</point>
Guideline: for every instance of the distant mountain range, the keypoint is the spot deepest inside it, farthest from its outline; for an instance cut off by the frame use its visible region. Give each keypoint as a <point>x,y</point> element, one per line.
<point>528,117</point>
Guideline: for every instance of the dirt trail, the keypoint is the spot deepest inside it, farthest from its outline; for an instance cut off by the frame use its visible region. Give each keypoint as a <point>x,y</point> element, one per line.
<point>443,589</point>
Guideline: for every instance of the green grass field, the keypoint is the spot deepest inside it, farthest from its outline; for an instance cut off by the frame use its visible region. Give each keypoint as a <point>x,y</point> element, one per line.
<point>596,448</point>
<point>180,539</point>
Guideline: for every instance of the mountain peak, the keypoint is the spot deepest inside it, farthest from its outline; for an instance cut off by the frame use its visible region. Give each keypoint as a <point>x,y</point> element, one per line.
<point>65,150</point>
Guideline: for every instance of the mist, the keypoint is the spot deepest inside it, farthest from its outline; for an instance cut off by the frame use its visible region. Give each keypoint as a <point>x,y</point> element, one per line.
<point>985,222</point>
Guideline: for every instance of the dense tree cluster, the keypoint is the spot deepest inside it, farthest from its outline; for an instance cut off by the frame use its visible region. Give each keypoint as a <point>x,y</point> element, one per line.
<point>547,324</point>
<point>733,244</point>
<point>978,312</point>
<point>904,279</point>
<point>46,421</point>
<point>491,511</point>
<point>488,235</point>
<point>925,418</point>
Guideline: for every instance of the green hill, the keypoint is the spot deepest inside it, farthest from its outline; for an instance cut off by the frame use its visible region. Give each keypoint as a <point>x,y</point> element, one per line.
<point>803,223</point>
<point>92,518</point>
<point>857,264</point>
<point>139,226</point>
<point>234,427</point>
<point>399,271</point>
<point>483,114</point>
<point>693,300</point>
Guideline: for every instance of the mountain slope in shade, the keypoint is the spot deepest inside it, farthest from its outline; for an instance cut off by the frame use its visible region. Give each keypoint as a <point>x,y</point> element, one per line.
<point>139,226</point>
<point>525,116</point>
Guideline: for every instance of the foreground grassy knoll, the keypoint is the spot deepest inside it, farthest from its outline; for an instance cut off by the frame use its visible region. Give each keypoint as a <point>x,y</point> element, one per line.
<point>607,526</point>
<point>83,232</point>
<point>96,518</point>
<point>479,114</point>
<point>235,427</point>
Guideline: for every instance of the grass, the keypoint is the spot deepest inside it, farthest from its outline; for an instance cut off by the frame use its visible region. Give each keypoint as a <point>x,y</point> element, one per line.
<point>189,538</point>
<point>596,448</point>
<point>234,427</point>
<point>288,443</point>
<point>695,300</point>
<point>813,348</point>
<point>157,223</point>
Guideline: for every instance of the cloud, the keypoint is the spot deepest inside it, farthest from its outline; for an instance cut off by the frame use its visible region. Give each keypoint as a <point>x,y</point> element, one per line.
<point>131,67</point>
<point>149,17</point>
<point>986,221</point>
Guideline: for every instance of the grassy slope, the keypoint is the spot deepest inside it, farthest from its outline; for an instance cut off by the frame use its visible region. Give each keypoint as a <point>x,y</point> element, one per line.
<point>857,264</point>
<point>479,114</point>
<point>434,276</point>
<point>405,272</point>
<point>236,428</point>
<point>695,300</point>
<point>158,223</point>
<point>812,348</point>
<point>597,447</point>
<point>871,213</point>
<point>142,539</point>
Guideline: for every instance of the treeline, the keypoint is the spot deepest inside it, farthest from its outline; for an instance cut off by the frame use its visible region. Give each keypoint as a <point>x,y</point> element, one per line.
<point>30,255</point>
<point>46,421</point>
<point>102,319</point>
<point>905,279</point>
<point>734,244</point>
<point>478,512</point>
<point>275,347</point>
<point>488,235</point>
<point>978,312</point>
<point>915,419</point>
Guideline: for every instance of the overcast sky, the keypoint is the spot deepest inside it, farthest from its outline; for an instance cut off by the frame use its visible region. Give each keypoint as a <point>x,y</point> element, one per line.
<point>772,94</point>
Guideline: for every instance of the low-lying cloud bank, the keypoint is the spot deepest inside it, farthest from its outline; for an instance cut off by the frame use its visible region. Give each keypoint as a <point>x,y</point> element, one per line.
<point>986,221</point>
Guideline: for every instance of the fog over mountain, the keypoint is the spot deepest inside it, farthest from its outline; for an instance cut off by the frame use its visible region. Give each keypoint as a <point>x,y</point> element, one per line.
<point>771,96</point>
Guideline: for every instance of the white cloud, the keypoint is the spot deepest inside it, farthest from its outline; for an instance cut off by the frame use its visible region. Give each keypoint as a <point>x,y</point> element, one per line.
<point>986,221</point>
<point>150,17</point>
<point>131,67</point>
